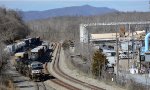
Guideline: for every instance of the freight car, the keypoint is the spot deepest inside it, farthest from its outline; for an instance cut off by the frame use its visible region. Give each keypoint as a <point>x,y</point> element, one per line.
<point>28,61</point>
<point>10,49</point>
<point>46,45</point>
<point>27,67</point>
<point>39,51</point>
<point>19,45</point>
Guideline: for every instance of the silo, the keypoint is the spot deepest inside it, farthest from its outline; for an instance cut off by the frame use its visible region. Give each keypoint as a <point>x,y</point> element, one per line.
<point>83,34</point>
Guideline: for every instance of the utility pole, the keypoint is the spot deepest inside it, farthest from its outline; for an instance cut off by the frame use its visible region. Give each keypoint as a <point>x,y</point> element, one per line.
<point>132,48</point>
<point>89,52</point>
<point>128,45</point>
<point>117,53</point>
<point>139,56</point>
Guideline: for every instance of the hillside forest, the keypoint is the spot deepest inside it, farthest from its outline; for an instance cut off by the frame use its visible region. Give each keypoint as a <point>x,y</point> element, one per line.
<point>67,27</point>
<point>11,28</point>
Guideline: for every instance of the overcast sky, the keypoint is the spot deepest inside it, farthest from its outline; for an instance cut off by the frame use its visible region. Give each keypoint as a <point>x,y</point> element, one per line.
<point>39,5</point>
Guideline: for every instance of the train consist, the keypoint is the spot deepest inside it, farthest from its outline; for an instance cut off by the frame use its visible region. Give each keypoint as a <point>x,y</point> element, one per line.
<point>19,45</point>
<point>28,53</point>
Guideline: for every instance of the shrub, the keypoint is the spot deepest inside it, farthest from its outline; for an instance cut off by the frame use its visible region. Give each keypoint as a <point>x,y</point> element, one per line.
<point>65,44</point>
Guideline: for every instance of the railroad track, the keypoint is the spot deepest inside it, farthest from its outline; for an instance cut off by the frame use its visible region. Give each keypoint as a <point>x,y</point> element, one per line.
<point>45,65</point>
<point>40,86</point>
<point>57,81</point>
<point>58,71</point>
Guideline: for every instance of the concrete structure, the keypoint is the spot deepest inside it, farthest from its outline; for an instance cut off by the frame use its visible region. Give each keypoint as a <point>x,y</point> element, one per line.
<point>84,33</point>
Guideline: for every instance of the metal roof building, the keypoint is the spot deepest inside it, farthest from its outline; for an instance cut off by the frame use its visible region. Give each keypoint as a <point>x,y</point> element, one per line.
<point>112,36</point>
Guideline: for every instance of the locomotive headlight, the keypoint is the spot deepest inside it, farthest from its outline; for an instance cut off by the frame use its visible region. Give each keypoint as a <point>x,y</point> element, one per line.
<point>36,71</point>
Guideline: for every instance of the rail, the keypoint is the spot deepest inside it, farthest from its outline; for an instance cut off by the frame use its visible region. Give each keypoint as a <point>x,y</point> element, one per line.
<point>57,70</point>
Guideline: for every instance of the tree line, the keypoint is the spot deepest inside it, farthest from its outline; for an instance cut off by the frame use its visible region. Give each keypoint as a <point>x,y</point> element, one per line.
<point>67,27</point>
<point>12,28</point>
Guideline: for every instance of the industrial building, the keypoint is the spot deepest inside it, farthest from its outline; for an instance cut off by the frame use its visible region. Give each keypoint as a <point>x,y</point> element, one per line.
<point>95,38</point>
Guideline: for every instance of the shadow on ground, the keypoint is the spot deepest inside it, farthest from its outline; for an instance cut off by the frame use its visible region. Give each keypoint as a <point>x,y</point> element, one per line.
<point>25,86</point>
<point>48,77</point>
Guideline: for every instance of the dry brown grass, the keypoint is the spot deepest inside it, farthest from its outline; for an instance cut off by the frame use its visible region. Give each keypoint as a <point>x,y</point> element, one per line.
<point>7,85</point>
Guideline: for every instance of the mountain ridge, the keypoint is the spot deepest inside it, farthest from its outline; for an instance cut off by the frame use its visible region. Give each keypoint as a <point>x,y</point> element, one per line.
<point>85,10</point>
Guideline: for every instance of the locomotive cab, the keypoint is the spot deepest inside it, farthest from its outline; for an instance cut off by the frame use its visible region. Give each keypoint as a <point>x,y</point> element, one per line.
<point>36,70</point>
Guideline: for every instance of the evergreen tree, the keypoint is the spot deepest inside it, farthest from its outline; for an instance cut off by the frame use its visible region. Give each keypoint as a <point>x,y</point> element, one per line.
<point>99,62</point>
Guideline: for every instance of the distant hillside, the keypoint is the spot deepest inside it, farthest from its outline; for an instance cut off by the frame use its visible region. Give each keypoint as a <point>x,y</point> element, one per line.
<point>85,10</point>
